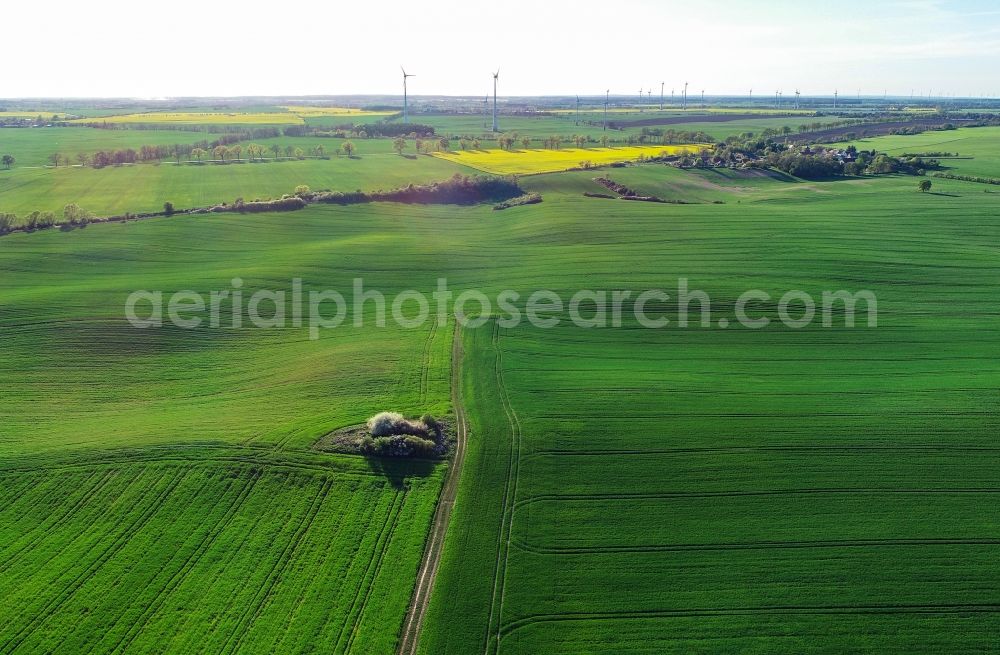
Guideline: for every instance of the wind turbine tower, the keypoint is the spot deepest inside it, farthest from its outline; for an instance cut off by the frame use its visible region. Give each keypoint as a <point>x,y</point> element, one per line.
<point>496,76</point>
<point>607,97</point>
<point>663,85</point>
<point>685,101</point>
<point>797,95</point>
<point>406,113</point>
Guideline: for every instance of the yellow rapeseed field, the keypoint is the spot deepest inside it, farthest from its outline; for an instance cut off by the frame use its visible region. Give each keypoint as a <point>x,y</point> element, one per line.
<point>530,162</point>
<point>315,112</point>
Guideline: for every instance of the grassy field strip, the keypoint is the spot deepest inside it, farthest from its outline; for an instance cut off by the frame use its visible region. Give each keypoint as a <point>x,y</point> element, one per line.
<point>350,630</point>
<point>690,633</point>
<point>509,503</point>
<point>198,118</point>
<point>425,370</point>
<point>412,626</point>
<point>145,187</point>
<point>961,610</point>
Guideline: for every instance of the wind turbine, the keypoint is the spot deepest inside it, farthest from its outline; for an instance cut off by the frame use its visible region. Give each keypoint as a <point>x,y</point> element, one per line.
<point>703,97</point>
<point>578,110</point>
<point>751,96</point>
<point>406,116</point>
<point>496,76</point>
<point>607,97</point>
<point>836,93</point>
<point>663,85</point>
<point>685,106</point>
<point>777,99</point>
<point>797,94</point>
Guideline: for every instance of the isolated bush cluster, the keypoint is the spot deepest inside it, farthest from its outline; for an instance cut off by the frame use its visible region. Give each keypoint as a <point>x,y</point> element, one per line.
<point>392,423</point>
<point>391,434</point>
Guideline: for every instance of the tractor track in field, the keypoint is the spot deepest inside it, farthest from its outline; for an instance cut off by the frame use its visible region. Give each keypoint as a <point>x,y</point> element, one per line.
<point>65,546</point>
<point>822,610</point>
<point>67,514</point>
<point>738,450</point>
<point>277,571</point>
<point>206,460</point>
<point>509,505</point>
<point>755,545</point>
<point>364,591</point>
<point>425,371</point>
<point>180,575</point>
<point>682,495</point>
<point>427,573</point>
<point>52,606</point>
<point>385,532</point>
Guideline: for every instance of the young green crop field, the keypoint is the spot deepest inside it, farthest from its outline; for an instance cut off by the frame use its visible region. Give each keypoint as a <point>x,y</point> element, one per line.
<point>32,147</point>
<point>625,490</point>
<point>160,491</point>
<point>145,187</point>
<point>712,490</point>
<point>590,124</point>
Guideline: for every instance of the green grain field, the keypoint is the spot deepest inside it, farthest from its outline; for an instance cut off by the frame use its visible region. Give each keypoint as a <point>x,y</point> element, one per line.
<point>626,490</point>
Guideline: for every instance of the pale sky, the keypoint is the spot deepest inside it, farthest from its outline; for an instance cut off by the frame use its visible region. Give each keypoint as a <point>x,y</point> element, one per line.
<point>136,48</point>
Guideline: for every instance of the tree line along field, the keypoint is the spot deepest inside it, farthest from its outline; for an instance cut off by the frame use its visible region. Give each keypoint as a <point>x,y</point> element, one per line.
<point>625,491</point>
